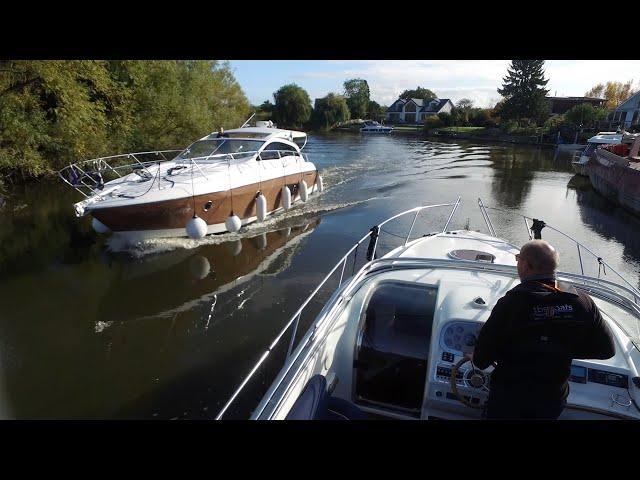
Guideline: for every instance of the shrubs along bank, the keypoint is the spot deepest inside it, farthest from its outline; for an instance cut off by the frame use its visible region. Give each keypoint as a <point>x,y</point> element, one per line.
<point>56,112</point>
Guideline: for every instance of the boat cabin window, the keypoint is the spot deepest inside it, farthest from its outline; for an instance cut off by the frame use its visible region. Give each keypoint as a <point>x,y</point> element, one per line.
<point>219,146</point>
<point>271,151</point>
<point>391,356</point>
<point>474,255</point>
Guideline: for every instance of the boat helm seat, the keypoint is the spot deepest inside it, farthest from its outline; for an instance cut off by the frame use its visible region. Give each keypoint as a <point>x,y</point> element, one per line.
<point>315,403</point>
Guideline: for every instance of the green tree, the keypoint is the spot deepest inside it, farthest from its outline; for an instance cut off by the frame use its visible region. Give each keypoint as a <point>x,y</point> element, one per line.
<point>52,112</point>
<point>585,115</point>
<point>56,112</point>
<point>292,106</point>
<point>446,119</point>
<point>329,111</point>
<point>419,92</point>
<point>176,102</point>
<point>375,110</point>
<point>523,91</point>
<point>356,91</point>
<point>265,110</point>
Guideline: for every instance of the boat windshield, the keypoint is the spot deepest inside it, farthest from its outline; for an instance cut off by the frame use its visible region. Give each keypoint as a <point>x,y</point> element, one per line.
<point>219,146</point>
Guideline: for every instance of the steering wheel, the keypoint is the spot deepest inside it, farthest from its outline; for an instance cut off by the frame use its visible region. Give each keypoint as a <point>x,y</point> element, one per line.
<point>475,377</point>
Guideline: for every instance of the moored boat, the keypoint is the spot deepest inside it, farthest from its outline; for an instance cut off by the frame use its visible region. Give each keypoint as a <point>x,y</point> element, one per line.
<point>392,341</point>
<point>217,184</point>
<point>615,172</point>
<point>602,138</point>
<point>371,126</point>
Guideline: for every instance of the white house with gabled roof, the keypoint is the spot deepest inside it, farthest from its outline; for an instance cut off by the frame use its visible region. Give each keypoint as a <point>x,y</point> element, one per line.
<point>415,110</point>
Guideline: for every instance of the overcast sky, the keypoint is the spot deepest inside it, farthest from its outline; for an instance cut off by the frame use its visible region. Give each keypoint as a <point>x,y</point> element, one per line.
<point>454,79</point>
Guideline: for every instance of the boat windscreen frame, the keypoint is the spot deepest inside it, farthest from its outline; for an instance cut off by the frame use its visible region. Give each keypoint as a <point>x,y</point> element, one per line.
<point>215,151</point>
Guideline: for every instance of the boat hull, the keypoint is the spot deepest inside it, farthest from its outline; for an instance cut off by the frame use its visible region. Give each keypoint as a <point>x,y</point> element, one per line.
<point>168,218</point>
<point>620,184</point>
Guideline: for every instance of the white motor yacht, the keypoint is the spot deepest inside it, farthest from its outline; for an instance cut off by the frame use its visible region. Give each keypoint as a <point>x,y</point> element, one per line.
<point>217,184</point>
<point>602,138</point>
<point>371,126</point>
<point>391,342</point>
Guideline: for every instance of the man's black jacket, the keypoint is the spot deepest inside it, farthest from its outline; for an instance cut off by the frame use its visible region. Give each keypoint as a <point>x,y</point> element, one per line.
<point>534,332</point>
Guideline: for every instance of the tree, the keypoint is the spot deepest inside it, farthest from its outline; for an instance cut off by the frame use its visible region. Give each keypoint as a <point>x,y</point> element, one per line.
<point>419,92</point>
<point>614,92</point>
<point>446,119</point>
<point>330,110</point>
<point>265,110</point>
<point>465,105</point>
<point>357,94</point>
<point>292,106</point>
<point>524,92</point>
<point>585,114</point>
<point>375,110</point>
<point>56,112</point>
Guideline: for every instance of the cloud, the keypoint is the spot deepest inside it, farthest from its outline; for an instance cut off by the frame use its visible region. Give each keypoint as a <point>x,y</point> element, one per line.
<point>474,79</point>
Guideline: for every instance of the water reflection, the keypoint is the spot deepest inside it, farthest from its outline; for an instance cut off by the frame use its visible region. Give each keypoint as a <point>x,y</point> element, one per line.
<point>181,280</point>
<point>606,218</point>
<point>93,329</point>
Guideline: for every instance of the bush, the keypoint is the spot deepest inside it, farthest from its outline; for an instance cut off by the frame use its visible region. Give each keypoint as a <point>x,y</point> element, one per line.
<point>433,121</point>
<point>510,126</point>
<point>446,119</point>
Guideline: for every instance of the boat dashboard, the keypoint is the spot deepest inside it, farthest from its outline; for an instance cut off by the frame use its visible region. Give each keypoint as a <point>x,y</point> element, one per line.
<point>409,336</point>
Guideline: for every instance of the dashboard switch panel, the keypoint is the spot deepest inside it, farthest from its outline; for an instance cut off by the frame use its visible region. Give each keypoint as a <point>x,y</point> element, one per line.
<point>608,378</point>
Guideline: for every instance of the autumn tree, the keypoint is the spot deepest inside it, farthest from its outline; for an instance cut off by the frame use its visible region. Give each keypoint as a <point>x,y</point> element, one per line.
<point>614,92</point>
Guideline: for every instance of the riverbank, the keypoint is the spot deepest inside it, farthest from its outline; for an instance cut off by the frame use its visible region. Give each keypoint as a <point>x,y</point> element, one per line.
<point>462,133</point>
<point>489,136</point>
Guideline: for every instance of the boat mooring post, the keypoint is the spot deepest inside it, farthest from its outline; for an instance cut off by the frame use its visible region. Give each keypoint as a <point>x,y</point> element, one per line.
<point>373,242</point>
<point>537,227</point>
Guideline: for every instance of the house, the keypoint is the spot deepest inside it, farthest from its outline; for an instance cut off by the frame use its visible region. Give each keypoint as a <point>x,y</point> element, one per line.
<point>627,113</point>
<point>561,105</point>
<point>415,110</point>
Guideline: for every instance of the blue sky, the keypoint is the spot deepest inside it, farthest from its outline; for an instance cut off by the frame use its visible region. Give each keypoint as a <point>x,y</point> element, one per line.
<point>454,79</point>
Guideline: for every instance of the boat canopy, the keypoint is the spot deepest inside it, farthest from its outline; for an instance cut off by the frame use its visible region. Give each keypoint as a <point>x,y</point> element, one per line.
<point>606,138</point>
<point>264,133</point>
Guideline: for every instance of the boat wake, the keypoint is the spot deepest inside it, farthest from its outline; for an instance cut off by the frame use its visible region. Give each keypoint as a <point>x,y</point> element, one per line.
<point>298,216</point>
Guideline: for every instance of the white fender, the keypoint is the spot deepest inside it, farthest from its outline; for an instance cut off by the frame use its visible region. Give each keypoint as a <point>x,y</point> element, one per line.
<point>196,228</point>
<point>286,198</point>
<point>319,183</point>
<point>261,207</point>
<point>98,226</point>
<point>233,223</point>
<point>303,191</point>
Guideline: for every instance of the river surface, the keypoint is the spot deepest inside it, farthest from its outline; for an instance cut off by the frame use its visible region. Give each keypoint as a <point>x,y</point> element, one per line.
<point>92,327</point>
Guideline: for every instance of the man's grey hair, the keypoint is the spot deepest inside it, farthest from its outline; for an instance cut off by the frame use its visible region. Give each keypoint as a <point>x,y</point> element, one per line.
<point>542,257</point>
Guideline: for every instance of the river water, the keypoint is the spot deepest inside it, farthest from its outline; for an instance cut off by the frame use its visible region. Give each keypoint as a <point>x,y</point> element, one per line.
<point>92,327</point>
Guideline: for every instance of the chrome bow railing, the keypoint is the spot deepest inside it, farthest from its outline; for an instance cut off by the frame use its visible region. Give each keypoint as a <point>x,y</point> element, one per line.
<point>88,176</point>
<point>537,224</point>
